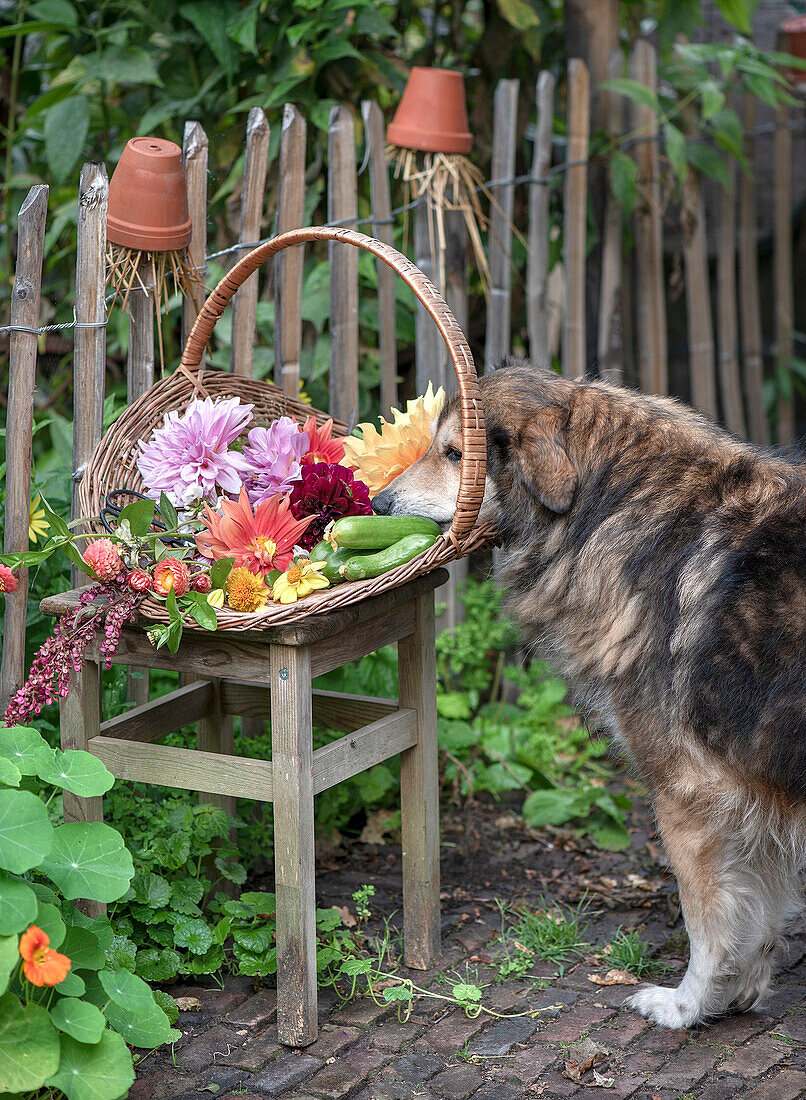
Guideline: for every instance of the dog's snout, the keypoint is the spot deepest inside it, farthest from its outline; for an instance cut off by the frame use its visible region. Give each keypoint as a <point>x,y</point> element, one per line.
<point>383,503</point>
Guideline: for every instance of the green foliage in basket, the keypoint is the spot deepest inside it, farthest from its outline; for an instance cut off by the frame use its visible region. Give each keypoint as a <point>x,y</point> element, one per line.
<point>70,1036</point>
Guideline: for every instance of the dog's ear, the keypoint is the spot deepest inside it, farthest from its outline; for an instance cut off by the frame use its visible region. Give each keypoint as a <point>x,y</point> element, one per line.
<point>544,465</point>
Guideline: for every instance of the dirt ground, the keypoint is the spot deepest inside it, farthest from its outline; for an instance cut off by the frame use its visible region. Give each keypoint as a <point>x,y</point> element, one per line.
<point>582,1042</point>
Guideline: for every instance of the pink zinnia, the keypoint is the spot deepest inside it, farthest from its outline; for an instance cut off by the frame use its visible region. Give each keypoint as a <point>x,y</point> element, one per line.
<point>327,491</point>
<point>273,459</point>
<point>104,558</point>
<point>189,459</point>
<point>8,582</point>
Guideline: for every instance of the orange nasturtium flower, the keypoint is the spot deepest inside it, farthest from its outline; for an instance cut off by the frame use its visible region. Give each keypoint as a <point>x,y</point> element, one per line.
<point>40,963</point>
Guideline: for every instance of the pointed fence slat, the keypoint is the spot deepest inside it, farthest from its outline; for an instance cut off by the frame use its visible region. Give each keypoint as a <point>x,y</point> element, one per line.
<point>383,229</point>
<point>610,339</point>
<point>194,155</point>
<point>728,333</point>
<point>698,298</point>
<point>89,349</point>
<point>784,291</point>
<point>342,206</point>
<point>289,264</point>
<point>574,359</point>
<point>244,304</point>
<point>429,349</point>
<point>499,247</point>
<point>537,272</point>
<point>650,300</point>
<point>750,312</point>
<point>25,295</point>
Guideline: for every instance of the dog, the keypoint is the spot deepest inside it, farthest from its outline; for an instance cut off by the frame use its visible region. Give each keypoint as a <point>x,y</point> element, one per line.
<point>660,563</point>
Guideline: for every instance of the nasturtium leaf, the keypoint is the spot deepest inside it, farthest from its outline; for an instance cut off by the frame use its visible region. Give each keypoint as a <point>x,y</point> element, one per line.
<point>82,948</point>
<point>82,1021</point>
<point>24,747</point>
<point>99,926</point>
<point>141,1027</point>
<point>10,774</point>
<point>72,985</point>
<point>89,860</point>
<point>100,1071</point>
<point>79,772</point>
<point>127,990</point>
<point>49,919</point>
<point>29,1045</point>
<point>9,959</point>
<point>45,895</point>
<point>194,934</point>
<point>158,966</point>
<point>26,835</point>
<point>17,905</point>
<point>150,889</point>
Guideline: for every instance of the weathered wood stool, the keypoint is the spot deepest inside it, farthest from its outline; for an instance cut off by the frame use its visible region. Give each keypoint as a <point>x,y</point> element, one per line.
<point>270,673</point>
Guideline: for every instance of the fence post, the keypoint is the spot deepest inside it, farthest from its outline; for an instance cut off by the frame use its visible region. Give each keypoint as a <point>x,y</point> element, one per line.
<point>651,304</point>
<point>289,264</point>
<point>610,341</point>
<point>728,332</point>
<point>244,304</point>
<point>194,155</point>
<point>537,271</point>
<point>752,360</point>
<point>342,207</point>
<point>698,298</point>
<point>499,245</point>
<point>429,349</point>
<point>574,351</point>
<point>89,348</point>
<point>784,295</point>
<point>21,382</point>
<point>383,229</point>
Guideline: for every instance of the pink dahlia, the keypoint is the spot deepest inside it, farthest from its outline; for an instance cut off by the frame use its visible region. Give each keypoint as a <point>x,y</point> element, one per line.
<point>8,582</point>
<point>327,491</point>
<point>189,459</point>
<point>273,459</point>
<point>103,556</point>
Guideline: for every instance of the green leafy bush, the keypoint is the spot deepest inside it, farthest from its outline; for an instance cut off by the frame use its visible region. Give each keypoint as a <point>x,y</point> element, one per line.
<point>70,1034</point>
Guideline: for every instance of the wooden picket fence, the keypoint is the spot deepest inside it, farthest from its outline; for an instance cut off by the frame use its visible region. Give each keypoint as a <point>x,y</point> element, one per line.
<point>631,326</point>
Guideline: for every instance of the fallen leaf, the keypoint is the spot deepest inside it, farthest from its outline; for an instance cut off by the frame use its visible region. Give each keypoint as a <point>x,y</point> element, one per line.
<point>586,1054</point>
<point>347,918</point>
<point>614,977</point>
<point>602,1081</point>
<point>187,1004</point>
<point>378,827</point>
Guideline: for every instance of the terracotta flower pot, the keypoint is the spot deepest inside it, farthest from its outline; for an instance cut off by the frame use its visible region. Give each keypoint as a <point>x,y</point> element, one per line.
<point>148,205</point>
<point>432,115</point>
<point>795,30</point>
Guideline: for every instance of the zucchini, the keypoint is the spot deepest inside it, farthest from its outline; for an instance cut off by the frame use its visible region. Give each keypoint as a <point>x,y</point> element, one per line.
<point>333,559</point>
<point>378,532</point>
<point>361,566</point>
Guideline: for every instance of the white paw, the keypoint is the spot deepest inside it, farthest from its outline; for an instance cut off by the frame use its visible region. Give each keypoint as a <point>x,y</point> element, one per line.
<point>664,1006</point>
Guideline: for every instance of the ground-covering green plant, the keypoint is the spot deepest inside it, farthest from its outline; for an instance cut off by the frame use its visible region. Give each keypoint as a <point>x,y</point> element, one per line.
<point>549,933</point>
<point>69,1005</point>
<point>627,951</point>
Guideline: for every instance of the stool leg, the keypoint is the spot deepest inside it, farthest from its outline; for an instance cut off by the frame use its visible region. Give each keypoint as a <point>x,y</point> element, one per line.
<point>214,733</point>
<point>292,761</point>
<point>79,720</point>
<point>419,782</point>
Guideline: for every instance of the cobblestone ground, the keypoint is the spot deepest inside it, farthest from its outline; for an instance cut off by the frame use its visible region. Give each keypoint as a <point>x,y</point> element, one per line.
<point>581,1043</point>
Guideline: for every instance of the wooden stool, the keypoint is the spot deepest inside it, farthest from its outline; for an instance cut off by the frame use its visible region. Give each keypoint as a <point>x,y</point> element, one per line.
<point>271,672</point>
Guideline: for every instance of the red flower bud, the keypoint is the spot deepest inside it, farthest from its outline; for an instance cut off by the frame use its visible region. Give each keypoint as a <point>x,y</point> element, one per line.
<point>140,581</point>
<point>202,583</point>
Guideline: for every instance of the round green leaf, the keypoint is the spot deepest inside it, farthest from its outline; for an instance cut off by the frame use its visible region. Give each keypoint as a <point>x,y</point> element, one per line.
<point>26,835</point>
<point>82,1021</point>
<point>158,966</point>
<point>24,747</point>
<point>82,948</point>
<point>49,919</point>
<point>10,774</point>
<point>17,905</point>
<point>88,860</point>
<point>72,985</point>
<point>76,771</point>
<point>29,1046</point>
<point>194,934</point>
<point>9,959</point>
<point>142,1028</point>
<point>127,990</point>
<point>102,1071</point>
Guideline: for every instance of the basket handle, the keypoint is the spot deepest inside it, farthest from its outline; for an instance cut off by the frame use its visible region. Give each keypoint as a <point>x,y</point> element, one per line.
<point>474,436</point>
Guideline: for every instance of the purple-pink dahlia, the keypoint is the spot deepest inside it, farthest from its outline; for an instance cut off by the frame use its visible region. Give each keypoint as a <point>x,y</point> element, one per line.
<point>189,459</point>
<point>273,458</point>
<point>327,491</point>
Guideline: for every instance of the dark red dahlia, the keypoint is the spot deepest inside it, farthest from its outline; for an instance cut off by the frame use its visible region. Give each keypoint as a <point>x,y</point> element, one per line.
<point>328,491</point>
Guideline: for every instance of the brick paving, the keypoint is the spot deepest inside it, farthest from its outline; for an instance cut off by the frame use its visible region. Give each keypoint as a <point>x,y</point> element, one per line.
<point>229,1047</point>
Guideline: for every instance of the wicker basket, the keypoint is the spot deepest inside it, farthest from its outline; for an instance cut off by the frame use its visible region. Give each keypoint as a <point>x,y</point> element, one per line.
<point>112,465</point>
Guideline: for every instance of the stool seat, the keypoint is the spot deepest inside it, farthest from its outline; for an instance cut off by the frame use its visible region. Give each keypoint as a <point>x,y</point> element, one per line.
<point>269,674</point>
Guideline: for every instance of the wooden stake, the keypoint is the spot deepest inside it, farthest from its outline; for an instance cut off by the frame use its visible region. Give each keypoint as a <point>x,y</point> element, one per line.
<point>289,264</point>
<point>342,207</point>
<point>244,304</point>
<point>499,245</point>
<point>730,382</point>
<point>429,348</point>
<point>537,272</point>
<point>21,384</point>
<point>574,356</point>
<point>750,313</point>
<point>784,290</point>
<point>194,154</point>
<point>610,347</point>
<point>698,299</point>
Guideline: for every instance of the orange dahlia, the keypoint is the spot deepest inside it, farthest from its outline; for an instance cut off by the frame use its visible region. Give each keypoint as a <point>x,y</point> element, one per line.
<point>40,963</point>
<point>322,447</point>
<point>261,540</point>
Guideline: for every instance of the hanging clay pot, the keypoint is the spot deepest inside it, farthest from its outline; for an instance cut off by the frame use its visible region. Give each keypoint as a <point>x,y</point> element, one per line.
<point>432,115</point>
<point>795,30</point>
<point>148,205</point>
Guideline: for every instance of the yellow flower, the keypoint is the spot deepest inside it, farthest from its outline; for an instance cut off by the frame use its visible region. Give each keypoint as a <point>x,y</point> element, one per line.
<point>378,457</point>
<point>246,591</point>
<point>300,579</point>
<point>37,524</point>
<point>216,598</point>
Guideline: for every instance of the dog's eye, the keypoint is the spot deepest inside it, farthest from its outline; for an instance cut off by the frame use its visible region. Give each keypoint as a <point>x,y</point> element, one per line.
<point>453,455</point>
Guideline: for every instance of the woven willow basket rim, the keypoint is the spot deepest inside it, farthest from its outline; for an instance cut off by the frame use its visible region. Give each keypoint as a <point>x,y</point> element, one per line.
<point>112,465</point>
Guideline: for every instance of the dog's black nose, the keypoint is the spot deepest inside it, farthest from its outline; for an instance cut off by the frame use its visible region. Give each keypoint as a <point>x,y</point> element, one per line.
<point>383,502</point>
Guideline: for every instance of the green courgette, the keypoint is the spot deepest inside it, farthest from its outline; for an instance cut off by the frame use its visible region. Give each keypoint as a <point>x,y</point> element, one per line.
<point>378,532</point>
<point>333,559</point>
<point>361,566</point>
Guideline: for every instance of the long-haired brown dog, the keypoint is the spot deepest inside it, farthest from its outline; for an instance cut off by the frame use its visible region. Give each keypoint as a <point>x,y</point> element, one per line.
<point>661,564</point>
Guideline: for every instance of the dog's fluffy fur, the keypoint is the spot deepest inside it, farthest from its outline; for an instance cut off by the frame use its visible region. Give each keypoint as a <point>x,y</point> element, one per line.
<point>661,564</point>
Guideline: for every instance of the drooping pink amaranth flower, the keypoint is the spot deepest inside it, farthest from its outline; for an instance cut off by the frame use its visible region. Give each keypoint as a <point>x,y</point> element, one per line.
<point>327,491</point>
<point>273,459</point>
<point>189,457</point>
